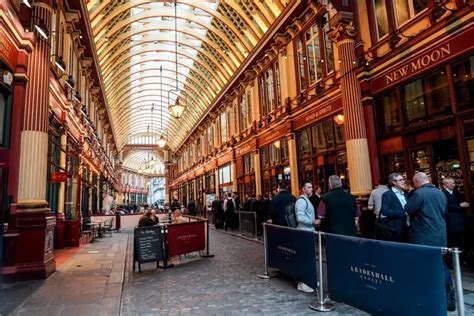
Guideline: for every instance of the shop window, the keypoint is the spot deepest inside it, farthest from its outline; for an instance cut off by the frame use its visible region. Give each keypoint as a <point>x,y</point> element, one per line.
<point>323,138</point>
<point>462,73</point>
<point>314,53</point>
<point>285,156</point>
<point>209,139</point>
<point>340,136</point>
<point>426,97</point>
<point>388,109</point>
<point>394,163</point>
<point>303,143</point>
<point>269,91</point>
<point>225,174</point>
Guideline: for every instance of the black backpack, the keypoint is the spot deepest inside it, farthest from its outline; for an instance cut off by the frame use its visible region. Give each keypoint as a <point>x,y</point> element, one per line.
<point>290,215</point>
<point>230,205</point>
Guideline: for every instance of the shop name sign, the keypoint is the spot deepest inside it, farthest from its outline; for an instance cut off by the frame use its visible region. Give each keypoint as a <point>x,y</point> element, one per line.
<point>58,176</point>
<point>8,52</point>
<point>420,63</point>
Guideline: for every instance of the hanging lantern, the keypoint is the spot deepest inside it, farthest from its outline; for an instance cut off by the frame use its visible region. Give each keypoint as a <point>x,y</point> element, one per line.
<point>162,141</point>
<point>177,109</point>
<point>152,162</point>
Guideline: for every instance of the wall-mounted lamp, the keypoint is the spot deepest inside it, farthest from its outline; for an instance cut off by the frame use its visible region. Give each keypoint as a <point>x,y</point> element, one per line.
<point>339,119</point>
<point>77,97</point>
<point>42,29</point>
<point>59,62</point>
<point>277,144</point>
<point>27,3</point>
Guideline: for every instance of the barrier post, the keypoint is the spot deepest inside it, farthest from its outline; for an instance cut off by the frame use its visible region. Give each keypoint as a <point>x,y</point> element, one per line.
<point>265,275</point>
<point>256,231</point>
<point>458,282</point>
<point>240,226</point>
<point>321,305</point>
<point>207,254</point>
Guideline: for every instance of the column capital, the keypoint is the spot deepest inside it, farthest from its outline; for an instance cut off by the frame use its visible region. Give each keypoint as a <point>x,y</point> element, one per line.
<point>343,30</point>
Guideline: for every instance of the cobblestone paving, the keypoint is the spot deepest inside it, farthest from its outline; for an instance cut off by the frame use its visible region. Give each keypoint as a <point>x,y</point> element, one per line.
<point>224,285</point>
<point>88,283</point>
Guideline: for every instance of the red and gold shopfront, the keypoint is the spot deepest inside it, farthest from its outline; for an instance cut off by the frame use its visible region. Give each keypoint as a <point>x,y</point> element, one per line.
<point>424,111</point>
<point>245,168</point>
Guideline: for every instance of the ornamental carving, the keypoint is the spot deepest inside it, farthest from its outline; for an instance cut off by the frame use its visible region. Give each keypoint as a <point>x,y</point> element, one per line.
<point>343,30</point>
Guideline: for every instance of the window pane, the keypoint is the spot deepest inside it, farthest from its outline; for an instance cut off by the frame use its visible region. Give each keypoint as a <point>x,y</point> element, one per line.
<point>381,17</point>
<point>340,136</point>
<point>310,57</point>
<point>277,84</point>
<point>328,46</point>
<point>402,11</point>
<point>419,5</point>
<point>303,142</point>
<point>414,101</point>
<point>463,83</point>
<point>262,95</point>
<point>302,78</point>
<point>270,90</point>
<point>224,126</point>
<point>388,106</point>
<point>243,112</point>
<point>436,92</point>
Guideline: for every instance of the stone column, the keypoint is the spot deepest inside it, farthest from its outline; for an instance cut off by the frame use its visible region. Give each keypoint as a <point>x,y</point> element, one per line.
<point>234,176</point>
<point>216,176</point>
<point>35,222</point>
<point>292,151</point>
<point>258,173</point>
<point>360,177</point>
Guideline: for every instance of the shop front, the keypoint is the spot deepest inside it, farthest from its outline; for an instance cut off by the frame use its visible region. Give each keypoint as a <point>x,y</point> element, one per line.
<point>321,144</point>
<point>225,179</point>
<point>425,119</point>
<point>245,168</point>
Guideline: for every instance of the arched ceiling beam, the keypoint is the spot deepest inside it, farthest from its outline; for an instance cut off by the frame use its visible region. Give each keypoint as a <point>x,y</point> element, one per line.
<point>236,58</point>
<point>215,84</point>
<point>249,21</point>
<point>127,96</point>
<point>125,72</point>
<point>123,84</point>
<point>110,33</point>
<point>252,36</point>
<point>268,15</point>
<point>223,71</point>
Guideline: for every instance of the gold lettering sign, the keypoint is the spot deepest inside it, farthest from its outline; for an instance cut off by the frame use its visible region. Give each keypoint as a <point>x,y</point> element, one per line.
<point>419,64</point>
<point>8,53</point>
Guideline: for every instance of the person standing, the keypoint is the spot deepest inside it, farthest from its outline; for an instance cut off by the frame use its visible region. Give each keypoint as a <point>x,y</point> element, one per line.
<point>456,218</point>
<point>218,211</point>
<point>192,207</point>
<point>427,207</point>
<point>392,211</point>
<point>229,209</point>
<point>338,209</point>
<point>306,219</point>
<point>315,197</point>
<point>375,199</point>
<point>278,205</point>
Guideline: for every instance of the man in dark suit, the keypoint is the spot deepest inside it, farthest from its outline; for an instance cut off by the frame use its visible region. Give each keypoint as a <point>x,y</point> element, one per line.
<point>456,218</point>
<point>338,209</point>
<point>278,204</point>
<point>392,212</point>
<point>427,207</point>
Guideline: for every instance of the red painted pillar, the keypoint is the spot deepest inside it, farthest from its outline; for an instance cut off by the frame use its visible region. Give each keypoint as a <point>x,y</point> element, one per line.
<point>35,223</point>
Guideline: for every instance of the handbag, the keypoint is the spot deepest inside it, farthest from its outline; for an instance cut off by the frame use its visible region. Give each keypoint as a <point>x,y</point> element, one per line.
<point>385,232</point>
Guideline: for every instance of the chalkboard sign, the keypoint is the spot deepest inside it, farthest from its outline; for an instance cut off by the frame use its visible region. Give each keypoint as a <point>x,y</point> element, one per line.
<point>147,245</point>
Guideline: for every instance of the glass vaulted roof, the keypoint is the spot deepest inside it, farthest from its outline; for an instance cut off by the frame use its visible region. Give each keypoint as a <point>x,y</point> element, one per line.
<point>136,38</point>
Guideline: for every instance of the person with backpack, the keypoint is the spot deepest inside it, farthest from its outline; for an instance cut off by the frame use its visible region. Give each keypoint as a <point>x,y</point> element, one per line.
<point>229,209</point>
<point>280,205</point>
<point>305,218</point>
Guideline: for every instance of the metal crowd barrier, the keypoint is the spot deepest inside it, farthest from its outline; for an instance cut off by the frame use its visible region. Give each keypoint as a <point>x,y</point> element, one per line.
<point>248,223</point>
<point>322,304</point>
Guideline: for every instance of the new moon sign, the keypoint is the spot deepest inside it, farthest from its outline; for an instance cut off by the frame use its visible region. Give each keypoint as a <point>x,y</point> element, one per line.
<point>186,237</point>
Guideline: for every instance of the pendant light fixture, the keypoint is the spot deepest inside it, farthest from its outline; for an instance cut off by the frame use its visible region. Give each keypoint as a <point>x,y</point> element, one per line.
<point>162,140</point>
<point>177,108</point>
<point>152,161</point>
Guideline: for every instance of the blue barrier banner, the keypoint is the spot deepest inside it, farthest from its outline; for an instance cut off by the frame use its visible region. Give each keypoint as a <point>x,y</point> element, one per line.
<point>293,252</point>
<point>386,278</point>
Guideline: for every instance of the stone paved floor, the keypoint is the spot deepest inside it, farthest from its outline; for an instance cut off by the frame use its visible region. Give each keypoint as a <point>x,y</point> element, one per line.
<point>98,280</point>
<point>89,283</point>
